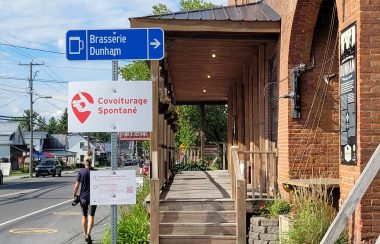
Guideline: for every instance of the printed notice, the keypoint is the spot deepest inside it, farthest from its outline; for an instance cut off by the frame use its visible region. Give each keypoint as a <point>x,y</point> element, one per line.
<point>115,187</point>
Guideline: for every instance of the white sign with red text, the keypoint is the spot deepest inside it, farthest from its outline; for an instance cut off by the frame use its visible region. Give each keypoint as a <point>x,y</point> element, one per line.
<point>110,106</point>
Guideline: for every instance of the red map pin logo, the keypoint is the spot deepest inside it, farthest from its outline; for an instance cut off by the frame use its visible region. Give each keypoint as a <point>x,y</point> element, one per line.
<point>80,105</point>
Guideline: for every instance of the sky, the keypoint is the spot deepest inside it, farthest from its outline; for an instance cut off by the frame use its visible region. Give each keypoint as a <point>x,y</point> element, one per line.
<point>42,24</point>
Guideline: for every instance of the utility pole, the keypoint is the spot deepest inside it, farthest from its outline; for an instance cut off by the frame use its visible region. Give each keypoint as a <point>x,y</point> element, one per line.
<point>30,86</point>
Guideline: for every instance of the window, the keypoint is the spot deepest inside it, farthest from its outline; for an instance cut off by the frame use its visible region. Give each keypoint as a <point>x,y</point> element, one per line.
<point>81,145</point>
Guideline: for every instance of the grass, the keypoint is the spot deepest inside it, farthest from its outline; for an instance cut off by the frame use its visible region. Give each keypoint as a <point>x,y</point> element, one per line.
<point>312,216</point>
<point>133,224</point>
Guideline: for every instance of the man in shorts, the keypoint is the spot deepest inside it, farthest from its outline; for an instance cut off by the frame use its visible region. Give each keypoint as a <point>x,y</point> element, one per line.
<point>88,211</point>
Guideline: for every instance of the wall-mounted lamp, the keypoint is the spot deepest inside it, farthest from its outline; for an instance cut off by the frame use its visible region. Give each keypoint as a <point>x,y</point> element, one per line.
<point>208,76</point>
<point>204,90</point>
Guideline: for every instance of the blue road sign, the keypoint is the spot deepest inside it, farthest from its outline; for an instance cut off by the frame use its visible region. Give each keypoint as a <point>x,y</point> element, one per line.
<point>143,44</point>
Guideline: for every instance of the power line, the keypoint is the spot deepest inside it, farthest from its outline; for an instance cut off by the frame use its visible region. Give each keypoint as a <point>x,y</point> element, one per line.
<point>3,89</point>
<point>14,100</point>
<point>29,48</point>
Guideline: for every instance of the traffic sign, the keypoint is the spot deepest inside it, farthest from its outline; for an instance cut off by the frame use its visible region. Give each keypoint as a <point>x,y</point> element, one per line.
<point>143,44</point>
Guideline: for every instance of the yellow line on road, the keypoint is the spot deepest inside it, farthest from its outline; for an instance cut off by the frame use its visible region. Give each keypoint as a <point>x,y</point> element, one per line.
<point>68,213</point>
<point>33,231</point>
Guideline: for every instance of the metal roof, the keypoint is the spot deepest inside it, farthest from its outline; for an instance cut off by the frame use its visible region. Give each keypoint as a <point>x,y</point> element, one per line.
<point>8,128</point>
<point>36,134</point>
<point>251,12</point>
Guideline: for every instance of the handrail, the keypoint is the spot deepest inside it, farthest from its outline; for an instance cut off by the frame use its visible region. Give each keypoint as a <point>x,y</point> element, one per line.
<point>355,196</point>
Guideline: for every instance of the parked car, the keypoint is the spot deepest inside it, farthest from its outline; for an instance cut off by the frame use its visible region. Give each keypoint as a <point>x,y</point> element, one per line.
<point>1,177</point>
<point>128,162</point>
<point>49,167</point>
<point>145,168</point>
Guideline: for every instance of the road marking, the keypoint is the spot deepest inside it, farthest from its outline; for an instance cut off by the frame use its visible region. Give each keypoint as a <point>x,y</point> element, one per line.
<point>67,213</point>
<point>36,212</point>
<point>19,192</point>
<point>33,231</point>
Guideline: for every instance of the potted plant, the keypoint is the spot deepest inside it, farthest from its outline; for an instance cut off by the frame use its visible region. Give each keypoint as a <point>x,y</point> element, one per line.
<point>164,103</point>
<point>170,111</point>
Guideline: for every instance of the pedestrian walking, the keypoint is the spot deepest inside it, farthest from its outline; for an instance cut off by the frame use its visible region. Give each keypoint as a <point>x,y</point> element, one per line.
<point>88,211</point>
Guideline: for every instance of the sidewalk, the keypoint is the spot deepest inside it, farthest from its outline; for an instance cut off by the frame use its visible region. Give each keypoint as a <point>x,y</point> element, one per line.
<point>24,176</point>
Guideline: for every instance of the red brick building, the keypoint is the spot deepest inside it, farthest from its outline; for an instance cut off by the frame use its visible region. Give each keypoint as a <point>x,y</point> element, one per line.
<point>304,39</point>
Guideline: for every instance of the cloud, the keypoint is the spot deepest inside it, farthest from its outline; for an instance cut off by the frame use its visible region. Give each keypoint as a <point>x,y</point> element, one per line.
<point>43,24</point>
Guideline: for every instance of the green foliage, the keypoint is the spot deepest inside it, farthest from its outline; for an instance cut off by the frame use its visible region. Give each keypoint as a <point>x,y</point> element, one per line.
<point>278,207</point>
<point>62,124</point>
<point>312,216</point>
<point>160,9</point>
<point>133,225</point>
<point>195,4</point>
<point>52,126</point>
<point>215,125</point>
<point>199,165</point>
<point>137,70</point>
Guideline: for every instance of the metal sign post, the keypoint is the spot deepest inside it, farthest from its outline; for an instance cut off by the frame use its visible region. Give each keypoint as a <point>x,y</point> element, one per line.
<point>114,164</point>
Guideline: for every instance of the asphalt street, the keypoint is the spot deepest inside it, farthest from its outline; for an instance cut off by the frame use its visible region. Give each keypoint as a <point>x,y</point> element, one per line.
<point>38,210</point>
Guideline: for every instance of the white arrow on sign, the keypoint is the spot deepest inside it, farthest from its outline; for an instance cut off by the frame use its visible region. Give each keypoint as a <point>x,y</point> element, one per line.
<point>156,43</point>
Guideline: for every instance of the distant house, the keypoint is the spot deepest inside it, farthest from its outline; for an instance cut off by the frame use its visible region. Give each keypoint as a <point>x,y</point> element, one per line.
<point>39,138</point>
<point>12,143</point>
<point>79,144</point>
<point>57,145</point>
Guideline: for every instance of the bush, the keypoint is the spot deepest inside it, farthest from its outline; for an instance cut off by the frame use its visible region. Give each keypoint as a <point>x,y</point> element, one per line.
<point>199,165</point>
<point>312,216</point>
<point>133,224</point>
<point>278,207</point>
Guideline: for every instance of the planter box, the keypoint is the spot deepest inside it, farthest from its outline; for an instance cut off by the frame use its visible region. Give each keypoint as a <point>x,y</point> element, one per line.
<point>285,225</point>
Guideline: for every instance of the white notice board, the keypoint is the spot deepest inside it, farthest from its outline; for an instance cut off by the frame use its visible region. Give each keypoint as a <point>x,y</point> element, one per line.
<point>113,187</point>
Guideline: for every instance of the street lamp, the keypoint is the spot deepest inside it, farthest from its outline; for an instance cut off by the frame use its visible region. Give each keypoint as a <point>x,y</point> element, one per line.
<point>31,131</point>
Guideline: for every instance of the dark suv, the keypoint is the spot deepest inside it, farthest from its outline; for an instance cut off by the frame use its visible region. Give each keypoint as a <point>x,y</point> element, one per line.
<point>49,167</point>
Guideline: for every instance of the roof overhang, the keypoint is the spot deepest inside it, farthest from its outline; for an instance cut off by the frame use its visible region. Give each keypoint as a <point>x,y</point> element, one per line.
<point>207,25</point>
<point>234,33</point>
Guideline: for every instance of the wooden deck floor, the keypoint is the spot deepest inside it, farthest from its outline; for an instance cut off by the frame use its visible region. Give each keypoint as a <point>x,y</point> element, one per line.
<point>199,185</point>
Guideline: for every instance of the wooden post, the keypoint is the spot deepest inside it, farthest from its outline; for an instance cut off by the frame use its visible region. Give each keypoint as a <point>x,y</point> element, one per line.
<point>154,181</point>
<point>250,125</point>
<point>262,117</point>
<point>202,126</point>
<point>241,189</point>
<point>256,114</point>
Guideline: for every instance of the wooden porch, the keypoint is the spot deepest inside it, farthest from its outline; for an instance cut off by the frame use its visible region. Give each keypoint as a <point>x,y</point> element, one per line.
<point>198,207</point>
<point>224,55</point>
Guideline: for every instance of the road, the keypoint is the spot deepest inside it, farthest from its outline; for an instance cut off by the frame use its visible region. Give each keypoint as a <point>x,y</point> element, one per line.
<point>38,210</point>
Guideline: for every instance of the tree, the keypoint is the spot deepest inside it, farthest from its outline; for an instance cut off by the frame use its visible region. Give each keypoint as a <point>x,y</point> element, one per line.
<point>52,127</point>
<point>62,124</point>
<point>195,4</point>
<point>189,120</point>
<point>137,70</point>
<point>160,9</point>
<point>25,121</point>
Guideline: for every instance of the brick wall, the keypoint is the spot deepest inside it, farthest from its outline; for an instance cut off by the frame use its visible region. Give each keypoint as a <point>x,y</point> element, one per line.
<point>299,29</point>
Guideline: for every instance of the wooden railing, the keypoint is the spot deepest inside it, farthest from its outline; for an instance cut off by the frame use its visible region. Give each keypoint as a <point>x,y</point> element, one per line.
<point>260,170</point>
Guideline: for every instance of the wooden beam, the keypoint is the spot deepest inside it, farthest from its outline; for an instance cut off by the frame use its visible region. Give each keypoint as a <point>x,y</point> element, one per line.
<point>256,115</point>
<point>154,76</point>
<point>261,115</point>
<point>207,26</point>
<point>250,125</point>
